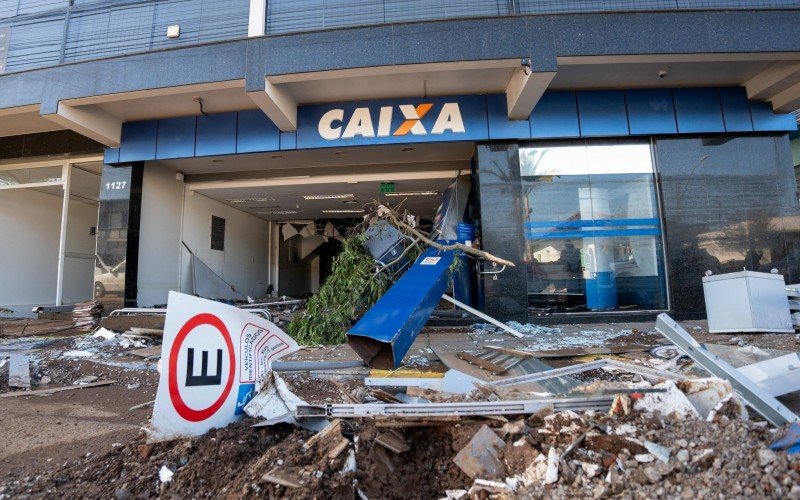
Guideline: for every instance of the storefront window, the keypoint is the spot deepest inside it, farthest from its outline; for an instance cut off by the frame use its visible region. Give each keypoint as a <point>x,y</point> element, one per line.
<point>592,230</point>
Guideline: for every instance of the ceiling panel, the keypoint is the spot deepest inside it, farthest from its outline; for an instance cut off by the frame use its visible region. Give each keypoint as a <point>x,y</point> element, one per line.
<point>25,123</point>
<point>179,104</point>
<point>290,198</point>
<point>644,75</point>
<point>405,155</point>
<point>431,83</point>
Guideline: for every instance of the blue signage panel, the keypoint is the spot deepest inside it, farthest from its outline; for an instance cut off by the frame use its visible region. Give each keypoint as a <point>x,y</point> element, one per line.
<point>395,121</point>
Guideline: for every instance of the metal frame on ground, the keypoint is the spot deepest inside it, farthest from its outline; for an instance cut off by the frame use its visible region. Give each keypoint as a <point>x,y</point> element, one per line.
<point>767,406</point>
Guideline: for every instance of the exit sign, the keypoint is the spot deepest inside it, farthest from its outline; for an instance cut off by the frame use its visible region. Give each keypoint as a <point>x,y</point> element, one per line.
<point>387,187</point>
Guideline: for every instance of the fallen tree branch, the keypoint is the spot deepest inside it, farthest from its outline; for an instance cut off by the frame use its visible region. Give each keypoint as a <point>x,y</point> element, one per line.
<point>390,214</point>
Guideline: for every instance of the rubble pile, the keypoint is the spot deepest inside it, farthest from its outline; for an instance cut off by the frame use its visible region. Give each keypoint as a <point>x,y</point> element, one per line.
<point>479,414</point>
<point>86,315</point>
<point>591,455</point>
<point>71,361</point>
<point>647,455</point>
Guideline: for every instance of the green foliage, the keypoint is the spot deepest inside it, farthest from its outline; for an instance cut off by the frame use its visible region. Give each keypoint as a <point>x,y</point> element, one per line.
<point>349,291</point>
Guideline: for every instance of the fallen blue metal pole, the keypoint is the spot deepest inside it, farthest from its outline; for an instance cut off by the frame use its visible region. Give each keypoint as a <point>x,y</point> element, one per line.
<point>383,336</point>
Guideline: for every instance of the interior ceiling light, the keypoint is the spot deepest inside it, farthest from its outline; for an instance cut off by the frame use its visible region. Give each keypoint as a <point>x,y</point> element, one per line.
<point>289,178</point>
<point>344,211</point>
<point>250,200</point>
<point>327,196</point>
<point>413,193</point>
<point>277,212</point>
<point>406,150</point>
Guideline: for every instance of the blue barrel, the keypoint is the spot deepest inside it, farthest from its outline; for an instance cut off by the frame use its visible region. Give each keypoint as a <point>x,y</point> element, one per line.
<point>601,291</point>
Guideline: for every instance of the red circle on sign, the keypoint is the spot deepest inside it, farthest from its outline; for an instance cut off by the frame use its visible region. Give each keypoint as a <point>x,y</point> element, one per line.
<point>180,405</point>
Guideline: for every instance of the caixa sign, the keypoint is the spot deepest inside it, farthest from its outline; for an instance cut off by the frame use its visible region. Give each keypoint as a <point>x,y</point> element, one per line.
<point>392,122</point>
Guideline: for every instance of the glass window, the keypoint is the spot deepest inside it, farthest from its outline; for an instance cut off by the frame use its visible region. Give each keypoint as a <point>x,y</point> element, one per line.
<point>287,16</point>
<point>592,227</point>
<point>19,176</point>
<point>35,42</point>
<point>8,8</point>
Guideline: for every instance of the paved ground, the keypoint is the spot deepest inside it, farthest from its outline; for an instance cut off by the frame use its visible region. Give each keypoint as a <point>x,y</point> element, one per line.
<point>40,432</point>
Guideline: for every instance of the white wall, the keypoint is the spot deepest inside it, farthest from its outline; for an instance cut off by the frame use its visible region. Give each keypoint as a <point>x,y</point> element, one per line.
<point>170,216</point>
<point>30,227</point>
<point>244,263</point>
<point>30,223</point>
<point>160,235</point>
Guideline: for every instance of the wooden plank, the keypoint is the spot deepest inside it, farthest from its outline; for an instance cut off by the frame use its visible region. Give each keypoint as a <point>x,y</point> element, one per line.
<point>47,392</point>
<point>344,391</point>
<point>582,351</point>
<point>390,421</point>
<point>393,441</point>
<point>282,477</point>
<point>385,396</point>
<point>486,365</point>
<point>338,448</point>
<point>508,350</point>
<point>147,352</point>
<point>335,429</point>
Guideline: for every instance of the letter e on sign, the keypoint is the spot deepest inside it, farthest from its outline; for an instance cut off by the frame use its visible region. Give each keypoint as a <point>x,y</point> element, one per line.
<point>202,367</point>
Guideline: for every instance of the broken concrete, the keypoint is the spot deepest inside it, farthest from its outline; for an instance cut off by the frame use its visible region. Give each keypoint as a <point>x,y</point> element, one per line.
<point>19,371</point>
<point>482,457</point>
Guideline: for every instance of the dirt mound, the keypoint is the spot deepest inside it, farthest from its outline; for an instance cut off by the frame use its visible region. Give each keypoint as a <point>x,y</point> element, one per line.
<point>637,456</point>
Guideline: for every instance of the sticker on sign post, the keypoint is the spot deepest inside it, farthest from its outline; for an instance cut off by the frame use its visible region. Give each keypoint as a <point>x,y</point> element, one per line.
<point>213,357</point>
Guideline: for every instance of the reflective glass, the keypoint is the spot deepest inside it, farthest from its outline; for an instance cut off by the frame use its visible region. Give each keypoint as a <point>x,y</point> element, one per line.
<point>30,176</point>
<point>35,42</point>
<point>592,228</point>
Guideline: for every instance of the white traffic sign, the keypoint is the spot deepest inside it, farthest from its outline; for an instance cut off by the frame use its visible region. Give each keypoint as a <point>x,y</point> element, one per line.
<point>212,359</point>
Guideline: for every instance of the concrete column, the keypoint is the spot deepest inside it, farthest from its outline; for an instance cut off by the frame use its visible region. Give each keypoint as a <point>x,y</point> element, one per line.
<point>118,234</point>
<point>62,239</point>
<point>502,231</point>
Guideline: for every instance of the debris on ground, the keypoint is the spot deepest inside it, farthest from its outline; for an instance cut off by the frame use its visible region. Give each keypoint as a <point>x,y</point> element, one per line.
<point>19,375</point>
<point>597,418</point>
<point>701,457</point>
<point>86,315</point>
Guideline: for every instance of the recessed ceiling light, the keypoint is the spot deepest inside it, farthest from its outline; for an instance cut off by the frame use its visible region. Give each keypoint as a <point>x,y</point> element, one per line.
<point>327,196</point>
<point>345,211</point>
<point>290,177</point>
<point>413,193</point>
<point>277,212</point>
<point>349,202</point>
<point>250,200</point>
